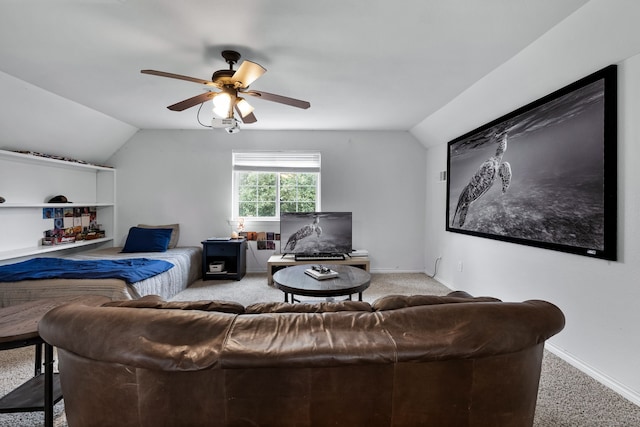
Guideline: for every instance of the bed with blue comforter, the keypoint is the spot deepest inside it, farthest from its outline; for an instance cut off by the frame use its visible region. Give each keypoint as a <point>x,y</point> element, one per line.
<point>107,272</point>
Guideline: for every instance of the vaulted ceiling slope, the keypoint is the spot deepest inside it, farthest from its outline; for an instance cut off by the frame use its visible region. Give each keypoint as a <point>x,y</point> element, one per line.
<point>70,69</point>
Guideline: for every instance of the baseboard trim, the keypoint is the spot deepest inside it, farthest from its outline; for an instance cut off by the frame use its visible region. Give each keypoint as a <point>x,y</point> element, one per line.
<point>607,381</point>
<point>602,378</point>
<point>391,270</point>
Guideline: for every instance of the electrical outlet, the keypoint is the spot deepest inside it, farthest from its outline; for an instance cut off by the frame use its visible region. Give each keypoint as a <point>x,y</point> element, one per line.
<point>460,266</point>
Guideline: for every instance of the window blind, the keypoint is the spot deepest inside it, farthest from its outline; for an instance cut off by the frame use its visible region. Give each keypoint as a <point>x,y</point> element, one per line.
<point>276,161</point>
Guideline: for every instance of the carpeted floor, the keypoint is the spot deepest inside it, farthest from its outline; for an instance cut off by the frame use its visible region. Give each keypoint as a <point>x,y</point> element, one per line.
<point>16,367</point>
<point>253,288</point>
<point>567,397</point>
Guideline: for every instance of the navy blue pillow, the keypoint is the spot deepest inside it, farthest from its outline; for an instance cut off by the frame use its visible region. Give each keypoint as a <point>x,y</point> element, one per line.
<point>147,240</point>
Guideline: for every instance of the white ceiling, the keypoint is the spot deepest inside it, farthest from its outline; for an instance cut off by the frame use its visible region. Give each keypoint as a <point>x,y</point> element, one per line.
<point>362,64</point>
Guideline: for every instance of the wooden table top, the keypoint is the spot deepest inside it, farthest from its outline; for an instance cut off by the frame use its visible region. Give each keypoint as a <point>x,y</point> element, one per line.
<point>20,322</point>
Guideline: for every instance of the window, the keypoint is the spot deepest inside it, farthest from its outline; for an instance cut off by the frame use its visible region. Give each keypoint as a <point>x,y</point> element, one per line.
<point>266,183</point>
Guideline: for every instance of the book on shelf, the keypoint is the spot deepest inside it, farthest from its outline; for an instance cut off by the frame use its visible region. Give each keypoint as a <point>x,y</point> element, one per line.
<point>321,273</point>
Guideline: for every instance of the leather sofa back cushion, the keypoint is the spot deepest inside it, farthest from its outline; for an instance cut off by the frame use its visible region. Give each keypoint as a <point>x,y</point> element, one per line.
<point>390,302</point>
<point>154,301</point>
<point>192,339</point>
<point>323,307</point>
<point>395,302</point>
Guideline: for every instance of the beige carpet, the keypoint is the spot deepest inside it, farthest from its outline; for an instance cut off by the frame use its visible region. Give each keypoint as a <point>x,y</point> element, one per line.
<point>253,288</point>
<point>567,397</point>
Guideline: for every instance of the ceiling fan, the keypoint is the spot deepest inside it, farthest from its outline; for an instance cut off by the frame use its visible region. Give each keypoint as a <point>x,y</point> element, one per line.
<point>233,84</point>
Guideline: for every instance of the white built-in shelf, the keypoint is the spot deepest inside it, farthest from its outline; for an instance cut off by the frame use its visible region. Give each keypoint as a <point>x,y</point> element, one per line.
<point>27,181</point>
<point>11,155</point>
<point>37,250</point>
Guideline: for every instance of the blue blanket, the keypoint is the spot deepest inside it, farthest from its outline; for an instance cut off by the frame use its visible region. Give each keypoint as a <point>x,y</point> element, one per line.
<point>130,270</point>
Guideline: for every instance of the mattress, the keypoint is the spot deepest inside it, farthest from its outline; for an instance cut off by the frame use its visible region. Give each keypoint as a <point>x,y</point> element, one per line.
<point>187,269</point>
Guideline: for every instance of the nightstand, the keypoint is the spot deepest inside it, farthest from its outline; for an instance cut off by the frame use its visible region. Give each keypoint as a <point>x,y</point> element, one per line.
<point>224,259</point>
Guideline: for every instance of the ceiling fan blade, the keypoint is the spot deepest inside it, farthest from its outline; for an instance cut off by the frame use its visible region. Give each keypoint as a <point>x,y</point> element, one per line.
<point>278,98</point>
<point>178,76</point>
<point>247,73</point>
<point>188,103</point>
<point>249,118</point>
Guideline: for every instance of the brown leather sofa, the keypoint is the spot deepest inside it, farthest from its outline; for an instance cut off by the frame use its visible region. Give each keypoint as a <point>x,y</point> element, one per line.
<point>401,361</point>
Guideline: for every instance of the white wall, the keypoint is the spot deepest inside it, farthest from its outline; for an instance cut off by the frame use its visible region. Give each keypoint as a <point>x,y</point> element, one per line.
<point>599,298</point>
<point>185,177</point>
<point>36,120</point>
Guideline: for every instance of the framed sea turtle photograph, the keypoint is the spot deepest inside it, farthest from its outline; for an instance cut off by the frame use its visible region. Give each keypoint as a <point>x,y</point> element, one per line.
<point>544,175</point>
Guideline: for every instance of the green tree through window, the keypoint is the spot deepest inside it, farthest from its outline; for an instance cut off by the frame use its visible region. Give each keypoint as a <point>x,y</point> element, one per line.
<point>267,194</point>
<point>268,183</point>
<point>298,192</point>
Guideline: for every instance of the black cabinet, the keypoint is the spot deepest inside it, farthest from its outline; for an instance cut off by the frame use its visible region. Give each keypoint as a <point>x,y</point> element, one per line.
<point>224,259</point>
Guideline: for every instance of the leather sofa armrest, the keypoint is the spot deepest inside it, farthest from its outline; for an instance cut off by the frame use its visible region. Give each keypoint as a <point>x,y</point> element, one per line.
<point>171,340</point>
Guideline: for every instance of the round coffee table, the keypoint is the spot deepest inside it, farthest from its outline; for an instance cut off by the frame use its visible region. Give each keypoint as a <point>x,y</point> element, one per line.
<point>294,281</point>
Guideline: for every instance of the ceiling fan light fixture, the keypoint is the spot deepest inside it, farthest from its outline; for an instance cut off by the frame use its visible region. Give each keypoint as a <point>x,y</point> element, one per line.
<point>244,107</point>
<point>221,104</point>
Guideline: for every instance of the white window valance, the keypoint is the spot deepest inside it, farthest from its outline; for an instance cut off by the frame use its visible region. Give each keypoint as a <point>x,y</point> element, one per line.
<point>277,161</point>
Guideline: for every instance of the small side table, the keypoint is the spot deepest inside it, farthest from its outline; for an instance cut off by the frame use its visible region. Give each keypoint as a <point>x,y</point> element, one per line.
<point>19,328</point>
<point>231,252</point>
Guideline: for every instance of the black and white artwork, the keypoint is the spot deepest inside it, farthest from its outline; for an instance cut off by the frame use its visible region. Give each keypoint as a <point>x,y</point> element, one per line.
<point>543,175</point>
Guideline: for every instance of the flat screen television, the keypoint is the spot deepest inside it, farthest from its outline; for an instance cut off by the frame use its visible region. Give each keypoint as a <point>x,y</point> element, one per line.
<point>315,233</point>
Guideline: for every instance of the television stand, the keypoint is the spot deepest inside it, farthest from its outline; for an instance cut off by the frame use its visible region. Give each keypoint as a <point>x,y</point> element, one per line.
<point>278,262</point>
